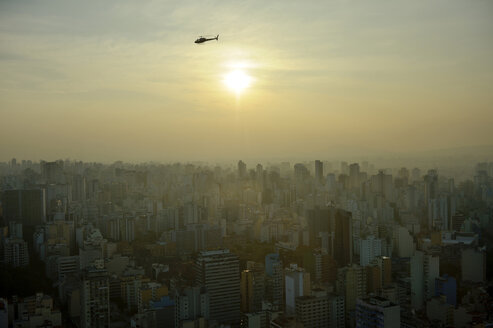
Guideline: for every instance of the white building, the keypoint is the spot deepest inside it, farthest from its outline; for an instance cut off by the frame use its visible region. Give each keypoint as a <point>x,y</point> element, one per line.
<point>297,283</point>
<point>425,269</point>
<point>370,248</point>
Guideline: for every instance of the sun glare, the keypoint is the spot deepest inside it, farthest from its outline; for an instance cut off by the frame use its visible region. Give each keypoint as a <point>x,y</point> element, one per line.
<point>237,80</point>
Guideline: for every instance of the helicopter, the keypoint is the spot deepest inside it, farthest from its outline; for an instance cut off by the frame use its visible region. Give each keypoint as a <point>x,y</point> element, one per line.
<point>202,39</point>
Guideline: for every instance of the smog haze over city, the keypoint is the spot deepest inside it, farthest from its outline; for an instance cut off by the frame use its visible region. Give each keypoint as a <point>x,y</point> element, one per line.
<point>121,80</point>
<point>253,164</point>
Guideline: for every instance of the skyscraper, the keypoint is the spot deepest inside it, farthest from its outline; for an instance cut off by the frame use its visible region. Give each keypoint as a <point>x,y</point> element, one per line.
<point>79,188</point>
<point>351,282</point>
<point>300,171</point>
<point>275,279</point>
<point>318,221</point>
<point>336,222</point>
<point>219,272</point>
<point>370,248</point>
<point>424,271</point>
<point>252,290</point>
<point>241,169</point>
<point>431,185</point>
<point>313,311</point>
<point>297,283</point>
<point>385,265</point>
<point>27,206</point>
<point>337,311</point>
<point>354,176</point>
<point>192,303</point>
<point>319,170</point>
<point>95,298</point>
<point>343,237</point>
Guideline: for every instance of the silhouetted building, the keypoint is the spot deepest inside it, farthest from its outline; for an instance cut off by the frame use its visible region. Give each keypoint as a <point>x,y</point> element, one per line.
<point>343,237</point>
<point>26,206</point>
<point>219,272</point>
<point>242,169</point>
<point>319,170</point>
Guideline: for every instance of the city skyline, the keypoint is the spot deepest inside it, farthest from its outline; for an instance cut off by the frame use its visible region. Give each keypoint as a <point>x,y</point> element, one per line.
<point>318,243</point>
<point>125,81</point>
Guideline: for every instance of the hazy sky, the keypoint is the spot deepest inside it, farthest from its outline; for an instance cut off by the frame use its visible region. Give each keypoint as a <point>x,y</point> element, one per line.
<point>108,80</point>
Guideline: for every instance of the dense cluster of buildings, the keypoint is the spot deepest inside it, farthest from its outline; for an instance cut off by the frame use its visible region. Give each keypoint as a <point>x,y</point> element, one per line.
<point>320,244</point>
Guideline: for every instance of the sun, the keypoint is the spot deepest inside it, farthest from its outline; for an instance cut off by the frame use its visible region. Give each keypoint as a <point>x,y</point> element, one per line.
<point>237,80</point>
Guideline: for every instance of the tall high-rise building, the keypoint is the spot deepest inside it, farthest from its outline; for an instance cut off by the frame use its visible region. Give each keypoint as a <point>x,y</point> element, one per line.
<point>385,265</point>
<point>219,272</point>
<point>404,242</point>
<point>27,206</point>
<point>192,303</point>
<point>127,229</point>
<point>351,282</point>
<point>343,237</point>
<point>313,311</point>
<point>297,283</point>
<point>382,183</point>
<point>95,298</point>
<point>15,252</point>
<point>354,175</point>
<point>370,248</point>
<point>344,168</point>
<point>60,233</point>
<point>431,186</point>
<point>424,270</point>
<point>320,265</point>
<point>259,175</point>
<point>252,288</point>
<point>300,171</point>
<point>417,280</point>
<point>337,311</point>
<point>79,188</point>
<point>373,278</point>
<point>319,170</point>
<point>242,169</point>
<point>416,174</point>
<point>53,172</point>
<point>377,312</point>
<point>338,224</point>
<point>66,265</point>
<point>274,279</point>
<point>318,221</point>
<point>431,272</point>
